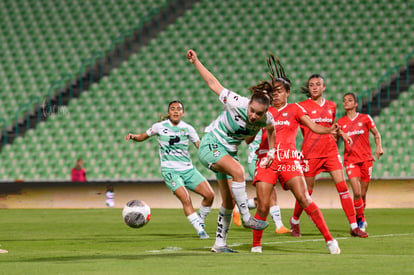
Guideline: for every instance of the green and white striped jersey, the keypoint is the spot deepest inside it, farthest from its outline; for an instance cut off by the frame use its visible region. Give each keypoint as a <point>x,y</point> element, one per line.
<point>173,143</point>
<point>232,126</point>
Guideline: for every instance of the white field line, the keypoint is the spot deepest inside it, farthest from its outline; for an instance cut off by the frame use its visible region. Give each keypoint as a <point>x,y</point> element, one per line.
<point>175,249</point>
<point>322,240</point>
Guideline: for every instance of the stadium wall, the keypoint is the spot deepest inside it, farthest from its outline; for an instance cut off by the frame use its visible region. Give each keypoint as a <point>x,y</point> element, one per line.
<point>381,194</point>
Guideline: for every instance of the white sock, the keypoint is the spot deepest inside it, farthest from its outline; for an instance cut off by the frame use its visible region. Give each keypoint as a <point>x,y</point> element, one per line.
<point>240,196</point>
<point>294,221</point>
<point>223,225</point>
<point>353,225</point>
<point>276,216</point>
<point>251,204</point>
<point>203,212</point>
<point>194,219</point>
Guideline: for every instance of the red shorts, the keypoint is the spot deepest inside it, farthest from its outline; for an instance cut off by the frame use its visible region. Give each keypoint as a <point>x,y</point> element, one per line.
<point>313,167</point>
<point>361,170</point>
<point>279,170</point>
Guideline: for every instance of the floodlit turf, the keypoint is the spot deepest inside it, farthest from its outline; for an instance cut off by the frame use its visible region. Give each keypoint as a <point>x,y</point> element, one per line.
<point>95,241</point>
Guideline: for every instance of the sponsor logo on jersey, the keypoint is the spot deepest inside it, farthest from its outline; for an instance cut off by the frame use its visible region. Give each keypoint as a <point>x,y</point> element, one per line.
<point>282,122</point>
<point>322,119</point>
<point>356,132</point>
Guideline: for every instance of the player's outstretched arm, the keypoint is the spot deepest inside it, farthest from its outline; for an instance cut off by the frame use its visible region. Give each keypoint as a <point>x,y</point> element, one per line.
<point>208,77</point>
<point>136,137</point>
<point>318,129</point>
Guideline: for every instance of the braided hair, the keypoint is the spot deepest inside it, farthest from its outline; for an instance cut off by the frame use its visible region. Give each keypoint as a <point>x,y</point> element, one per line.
<point>274,65</point>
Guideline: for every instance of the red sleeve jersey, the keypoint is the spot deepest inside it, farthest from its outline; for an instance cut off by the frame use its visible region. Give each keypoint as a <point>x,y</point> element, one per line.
<point>287,121</point>
<point>315,145</point>
<point>358,130</point>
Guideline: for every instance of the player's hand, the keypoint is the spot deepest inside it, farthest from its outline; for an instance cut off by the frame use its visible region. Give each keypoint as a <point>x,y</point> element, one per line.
<point>345,137</point>
<point>335,128</point>
<point>378,153</point>
<point>267,161</point>
<point>129,136</point>
<point>191,56</point>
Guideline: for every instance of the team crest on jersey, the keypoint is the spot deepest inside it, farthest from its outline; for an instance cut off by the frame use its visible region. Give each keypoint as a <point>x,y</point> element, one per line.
<point>314,112</point>
<point>330,111</point>
<point>344,126</point>
<point>360,124</point>
<point>216,153</point>
<point>182,132</point>
<point>285,114</point>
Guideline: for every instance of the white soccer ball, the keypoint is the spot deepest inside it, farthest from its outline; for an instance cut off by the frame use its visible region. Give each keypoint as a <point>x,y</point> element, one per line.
<point>136,213</point>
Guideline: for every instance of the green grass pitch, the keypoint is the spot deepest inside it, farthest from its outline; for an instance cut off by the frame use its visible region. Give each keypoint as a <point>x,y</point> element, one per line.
<point>96,241</point>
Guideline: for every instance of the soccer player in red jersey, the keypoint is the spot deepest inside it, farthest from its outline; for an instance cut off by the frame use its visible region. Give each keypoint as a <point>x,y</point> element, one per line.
<point>320,153</point>
<point>286,166</point>
<point>358,156</point>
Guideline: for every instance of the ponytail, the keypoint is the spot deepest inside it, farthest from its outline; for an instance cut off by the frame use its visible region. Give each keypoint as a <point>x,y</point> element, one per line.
<point>274,65</point>
<point>262,93</point>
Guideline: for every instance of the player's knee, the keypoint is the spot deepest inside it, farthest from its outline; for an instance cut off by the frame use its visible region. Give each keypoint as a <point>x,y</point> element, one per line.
<point>304,200</point>
<point>209,197</point>
<point>238,173</point>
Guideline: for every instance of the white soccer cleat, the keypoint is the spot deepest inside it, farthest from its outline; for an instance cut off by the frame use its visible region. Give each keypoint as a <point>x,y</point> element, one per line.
<point>222,249</point>
<point>203,235</point>
<point>256,249</point>
<point>333,247</point>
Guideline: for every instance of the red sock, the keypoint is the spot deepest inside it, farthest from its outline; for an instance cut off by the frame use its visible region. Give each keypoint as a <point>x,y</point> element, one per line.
<point>316,216</point>
<point>346,201</point>
<point>365,206</point>
<point>298,210</point>
<point>359,208</point>
<point>257,234</point>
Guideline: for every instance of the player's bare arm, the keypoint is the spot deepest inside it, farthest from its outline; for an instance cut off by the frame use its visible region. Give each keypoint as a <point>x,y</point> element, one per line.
<point>136,137</point>
<point>249,140</point>
<point>377,138</point>
<point>318,129</point>
<point>271,137</point>
<point>345,137</point>
<point>197,144</point>
<point>207,76</point>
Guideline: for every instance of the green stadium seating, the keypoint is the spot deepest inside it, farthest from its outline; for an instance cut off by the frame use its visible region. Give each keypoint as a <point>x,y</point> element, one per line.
<point>43,41</point>
<point>351,43</point>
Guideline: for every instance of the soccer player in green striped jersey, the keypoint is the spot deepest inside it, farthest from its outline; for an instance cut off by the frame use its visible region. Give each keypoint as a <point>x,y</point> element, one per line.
<point>176,165</point>
<point>241,118</point>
